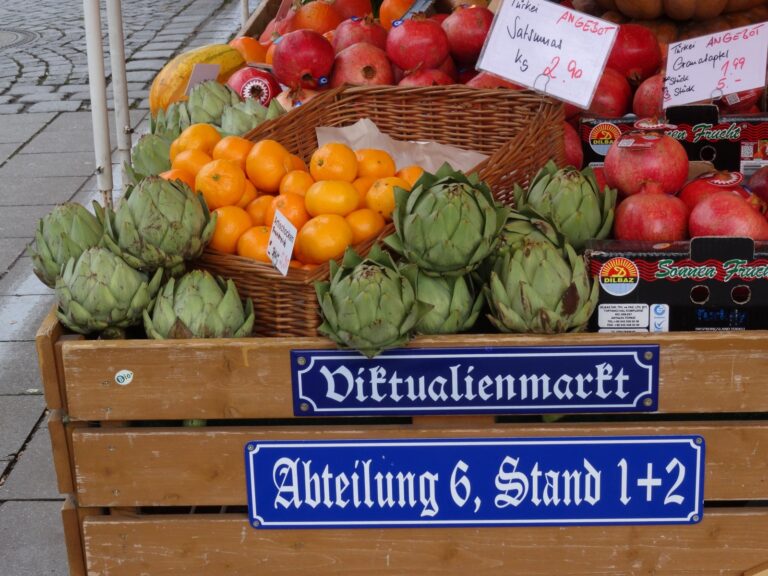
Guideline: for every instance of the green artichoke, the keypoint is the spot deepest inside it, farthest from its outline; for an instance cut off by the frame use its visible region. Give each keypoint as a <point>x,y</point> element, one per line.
<point>199,305</point>
<point>245,116</point>
<point>538,289</point>
<point>99,292</point>
<point>208,100</point>
<point>455,306</point>
<point>159,224</point>
<point>368,304</point>
<point>448,224</point>
<point>572,201</point>
<point>150,156</point>
<point>168,124</point>
<point>64,233</point>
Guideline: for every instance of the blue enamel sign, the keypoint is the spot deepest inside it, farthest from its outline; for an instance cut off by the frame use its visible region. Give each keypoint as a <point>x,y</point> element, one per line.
<point>475,482</point>
<point>476,380</point>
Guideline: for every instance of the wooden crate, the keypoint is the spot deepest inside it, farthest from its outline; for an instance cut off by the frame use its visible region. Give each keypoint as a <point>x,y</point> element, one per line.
<point>148,496</point>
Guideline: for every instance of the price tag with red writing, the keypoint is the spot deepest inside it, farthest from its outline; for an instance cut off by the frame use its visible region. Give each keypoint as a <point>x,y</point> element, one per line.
<point>281,240</point>
<point>549,48</point>
<point>709,67</point>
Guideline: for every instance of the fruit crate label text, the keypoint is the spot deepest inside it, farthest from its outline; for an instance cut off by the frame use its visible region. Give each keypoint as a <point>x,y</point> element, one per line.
<point>491,380</point>
<point>712,66</point>
<point>475,482</point>
<point>550,48</point>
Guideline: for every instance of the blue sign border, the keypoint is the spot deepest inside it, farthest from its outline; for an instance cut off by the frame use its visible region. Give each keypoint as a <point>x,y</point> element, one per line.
<point>695,516</point>
<point>645,357</point>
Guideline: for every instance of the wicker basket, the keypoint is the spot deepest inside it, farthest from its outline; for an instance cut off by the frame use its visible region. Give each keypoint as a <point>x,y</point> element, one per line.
<point>519,131</point>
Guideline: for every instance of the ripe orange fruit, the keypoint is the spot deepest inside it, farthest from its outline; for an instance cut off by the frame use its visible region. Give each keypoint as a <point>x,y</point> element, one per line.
<point>333,161</point>
<point>318,15</point>
<point>365,223</point>
<point>267,163</point>
<point>381,196</point>
<point>201,137</point>
<point>322,238</point>
<point>331,197</point>
<point>291,206</point>
<point>391,10</point>
<point>250,48</point>
<point>374,163</point>
<point>296,182</point>
<point>178,174</point>
<point>363,185</point>
<point>257,209</point>
<point>174,150</point>
<point>410,173</point>
<point>249,195</point>
<point>191,161</point>
<point>253,243</point>
<point>221,182</point>
<point>298,164</point>
<point>232,148</point>
<point>231,223</point>
<point>269,56</point>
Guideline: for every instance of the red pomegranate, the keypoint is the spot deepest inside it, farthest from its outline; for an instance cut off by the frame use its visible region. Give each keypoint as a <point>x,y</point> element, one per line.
<point>758,183</point>
<point>449,68</point>
<point>289,99</point>
<point>417,43</point>
<point>636,53</point>
<point>252,82</point>
<point>488,80</point>
<point>430,77</point>
<point>466,29</point>
<point>574,155</point>
<point>649,98</point>
<point>711,183</point>
<point>362,65</point>
<point>651,217</point>
<point>643,158</point>
<point>466,74</point>
<point>612,96</point>
<point>726,214</point>
<point>357,30</point>
<point>303,58</point>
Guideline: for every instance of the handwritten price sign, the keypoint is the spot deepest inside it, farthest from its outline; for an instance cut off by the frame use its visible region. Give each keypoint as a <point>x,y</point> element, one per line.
<point>281,240</point>
<point>549,48</point>
<point>713,66</point>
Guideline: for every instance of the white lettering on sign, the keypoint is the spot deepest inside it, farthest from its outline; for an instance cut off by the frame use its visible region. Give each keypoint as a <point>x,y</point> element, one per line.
<point>549,48</point>
<point>281,241</point>
<point>712,66</point>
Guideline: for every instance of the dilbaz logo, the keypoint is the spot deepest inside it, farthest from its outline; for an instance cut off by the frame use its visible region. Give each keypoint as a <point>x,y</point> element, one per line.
<point>619,276</point>
<point>602,136</point>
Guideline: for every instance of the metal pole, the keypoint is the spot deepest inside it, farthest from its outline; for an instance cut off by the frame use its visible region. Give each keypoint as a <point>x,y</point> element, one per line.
<point>246,11</point>
<point>98,87</point>
<point>119,84</point>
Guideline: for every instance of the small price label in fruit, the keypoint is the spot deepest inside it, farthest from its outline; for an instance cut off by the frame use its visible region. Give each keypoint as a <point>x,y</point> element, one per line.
<point>549,48</point>
<point>201,73</point>
<point>709,67</point>
<point>281,241</point>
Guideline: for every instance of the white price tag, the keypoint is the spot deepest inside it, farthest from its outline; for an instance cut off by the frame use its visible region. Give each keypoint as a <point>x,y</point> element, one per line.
<point>712,66</point>
<point>549,48</point>
<point>201,73</point>
<point>281,240</point>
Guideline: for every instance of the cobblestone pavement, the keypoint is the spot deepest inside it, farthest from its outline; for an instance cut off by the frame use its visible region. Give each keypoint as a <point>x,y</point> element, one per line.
<point>43,61</point>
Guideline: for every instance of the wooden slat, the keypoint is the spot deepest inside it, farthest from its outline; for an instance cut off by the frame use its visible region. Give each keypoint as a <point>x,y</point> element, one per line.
<point>260,17</point>
<point>47,335</point>
<point>73,538</point>
<point>250,378</point>
<point>61,455</point>
<point>181,466</point>
<point>726,543</point>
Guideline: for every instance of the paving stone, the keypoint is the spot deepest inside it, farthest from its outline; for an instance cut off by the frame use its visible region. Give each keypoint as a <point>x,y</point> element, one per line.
<point>150,54</point>
<point>6,150</point>
<point>33,476</point>
<point>20,317</point>
<point>19,414</point>
<point>49,164</point>
<point>10,109</point>
<point>24,89</point>
<point>154,65</point>
<point>68,88</point>
<point>164,45</point>
<point>33,539</point>
<point>80,140</point>
<point>39,97</point>
<point>140,75</point>
<point>10,249</point>
<point>56,106</point>
<point>19,373</point>
<point>21,281</point>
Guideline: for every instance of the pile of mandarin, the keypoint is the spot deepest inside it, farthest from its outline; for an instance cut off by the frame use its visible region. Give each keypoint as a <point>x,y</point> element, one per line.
<point>343,198</point>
